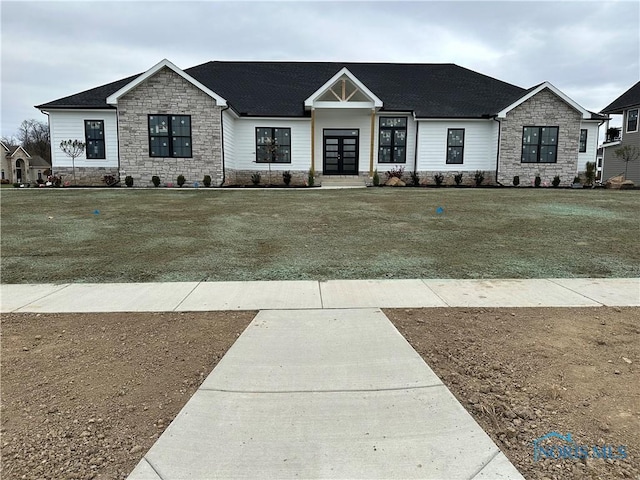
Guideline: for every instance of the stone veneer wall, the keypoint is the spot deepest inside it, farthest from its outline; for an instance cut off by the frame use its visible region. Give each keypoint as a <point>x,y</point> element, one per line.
<point>168,93</point>
<point>243,177</point>
<point>543,109</point>
<point>85,176</point>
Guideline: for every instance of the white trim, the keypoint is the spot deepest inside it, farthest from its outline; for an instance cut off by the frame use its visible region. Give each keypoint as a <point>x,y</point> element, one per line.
<point>450,119</point>
<point>20,148</point>
<point>4,146</point>
<point>113,98</point>
<point>287,119</point>
<point>586,115</point>
<point>311,101</point>
<point>363,105</point>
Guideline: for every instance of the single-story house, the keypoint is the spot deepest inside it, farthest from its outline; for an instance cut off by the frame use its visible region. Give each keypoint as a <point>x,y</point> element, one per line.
<point>18,166</point>
<point>231,119</point>
<point>627,105</point>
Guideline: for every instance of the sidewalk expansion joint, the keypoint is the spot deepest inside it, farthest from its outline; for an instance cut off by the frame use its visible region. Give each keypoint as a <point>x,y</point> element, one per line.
<point>578,293</point>
<point>424,281</point>
<point>145,459</point>
<point>63,286</point>
<point>484,465</point>
<point>357,390</point>
<point>186,296</point>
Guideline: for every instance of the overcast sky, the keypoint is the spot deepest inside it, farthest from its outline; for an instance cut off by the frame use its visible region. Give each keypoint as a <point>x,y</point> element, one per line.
<point>589,50</point>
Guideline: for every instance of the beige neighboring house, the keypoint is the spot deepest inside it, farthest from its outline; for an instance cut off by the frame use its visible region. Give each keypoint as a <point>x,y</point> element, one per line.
<point>20,167</point>
<point>627,105</point>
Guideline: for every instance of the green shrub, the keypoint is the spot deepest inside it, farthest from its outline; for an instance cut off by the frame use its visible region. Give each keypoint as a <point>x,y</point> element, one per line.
<point>556,181</point>
<point>478,177</point>
<point>128,181</point>
<point>516,180</point>
<point>438,178</point>
<point>180,180</point>
<point>590,173</point>
<point>110,180</point>
<point>16,185</point>
<point>457,178</point>
<point>156,180</point>
<point>576,179</point>
<point>537,181</point>
<point>415,179</point>
<point>286,177</point>
<point>255,178</point>
<point>311,178</point>
<point>207,180</point>
<point>376,178</point>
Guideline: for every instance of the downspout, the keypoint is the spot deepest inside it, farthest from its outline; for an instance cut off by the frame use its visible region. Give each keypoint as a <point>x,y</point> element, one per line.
<point>498,148</point>
<point>373,127</point>
<point>313,140</point>
<point>222,146</point>
<point>50,137</point>
<point>415,148</point>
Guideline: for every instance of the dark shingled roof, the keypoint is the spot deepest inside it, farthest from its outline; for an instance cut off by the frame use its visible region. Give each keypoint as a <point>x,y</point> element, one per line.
<point>629,98</point>
<point>280,88</point>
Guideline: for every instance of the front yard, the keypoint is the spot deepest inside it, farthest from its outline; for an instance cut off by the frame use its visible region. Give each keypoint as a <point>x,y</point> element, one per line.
<point>121,235</point>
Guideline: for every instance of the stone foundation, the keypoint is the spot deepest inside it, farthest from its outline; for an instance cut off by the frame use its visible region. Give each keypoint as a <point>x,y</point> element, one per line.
<point>426,178</point>
<point>86,176</point>
<point>243,177</point>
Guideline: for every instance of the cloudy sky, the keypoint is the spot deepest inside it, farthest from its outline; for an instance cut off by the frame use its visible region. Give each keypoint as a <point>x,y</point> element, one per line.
<point>590,50</point>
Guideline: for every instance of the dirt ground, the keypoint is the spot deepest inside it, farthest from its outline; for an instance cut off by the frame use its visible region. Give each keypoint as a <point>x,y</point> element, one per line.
<point>85,396</point>
<point>523,373</point>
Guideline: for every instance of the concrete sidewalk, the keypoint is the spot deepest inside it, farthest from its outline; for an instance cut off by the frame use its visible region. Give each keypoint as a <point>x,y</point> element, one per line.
<point>323,394</point>
<point>310,294</point>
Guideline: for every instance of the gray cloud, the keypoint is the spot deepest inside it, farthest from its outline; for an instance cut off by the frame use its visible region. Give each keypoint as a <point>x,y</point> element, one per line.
<point>590,50</point>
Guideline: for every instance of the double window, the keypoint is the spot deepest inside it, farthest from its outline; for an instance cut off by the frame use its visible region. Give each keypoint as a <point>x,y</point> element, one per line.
<point>632,120</point>
<point>94,138</point>
<point>539,144</point>
<point>583,140</point>
<point>273,145</point>
<point>170,136</point>
<point>455,145</point>
<point>393,140</point>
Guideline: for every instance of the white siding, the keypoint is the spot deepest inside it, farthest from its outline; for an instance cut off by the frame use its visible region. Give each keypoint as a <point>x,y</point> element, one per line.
<point>344,119</point>
<point>480,145</point>
<point>592,145</point>
<point>228,139</point>
<point>411,144</point>
<point>245,144</point>
<point>69,125</point>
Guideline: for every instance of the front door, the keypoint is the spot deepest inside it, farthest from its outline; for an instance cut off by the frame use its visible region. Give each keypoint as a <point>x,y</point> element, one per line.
<point>340,152</point>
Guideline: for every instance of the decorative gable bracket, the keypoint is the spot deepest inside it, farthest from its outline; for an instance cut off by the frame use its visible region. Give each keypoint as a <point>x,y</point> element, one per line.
<point>343,90</point>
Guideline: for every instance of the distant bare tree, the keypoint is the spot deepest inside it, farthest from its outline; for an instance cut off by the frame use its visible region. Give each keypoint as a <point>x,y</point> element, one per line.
<point>628,153</point>
<point>73,149</point>
<point>33,135</point>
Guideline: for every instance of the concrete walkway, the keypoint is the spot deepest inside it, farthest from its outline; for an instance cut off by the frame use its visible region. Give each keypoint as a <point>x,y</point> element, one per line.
<point>309,294</point>
<point>323,394</point>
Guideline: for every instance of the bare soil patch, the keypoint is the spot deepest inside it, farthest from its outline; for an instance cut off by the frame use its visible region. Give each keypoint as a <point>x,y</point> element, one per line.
<point>86,395</point>
<point>525,372</point>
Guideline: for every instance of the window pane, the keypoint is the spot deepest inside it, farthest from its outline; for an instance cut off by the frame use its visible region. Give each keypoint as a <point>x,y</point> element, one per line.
<point>384,155</point>
<point>632,120</point>
<point>530,135</point>
<point>159,146</point>
<point>393,122</point>
<point>399,155</point>
<point>549,135</point>
<point>159,125</point>
<point>456,137</point>
<point>400,137</point>
<point>181,126</point>
<point>282,136</point>
<point>262,154</point>
<point>583,140</point>
<point>385,137</point>
<point>182,147</point>
<point>263,136</point>
<point>95,149</point>
<point>548,154</point>
<point>529,154</point>
<point>283,155</point>
<point>454,154</point>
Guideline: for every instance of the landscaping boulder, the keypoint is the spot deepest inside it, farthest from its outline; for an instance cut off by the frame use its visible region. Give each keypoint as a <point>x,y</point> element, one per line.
<point>395,182</point>
<point>618,182</point>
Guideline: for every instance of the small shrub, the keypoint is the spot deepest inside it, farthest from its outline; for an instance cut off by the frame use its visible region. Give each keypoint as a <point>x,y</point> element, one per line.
<point>54,180</point>
<point>5,181</point>
<point>516,180</point>
<point>478,177</point>
<point>438,178</point>
<point>110,180</point>
<point>397,172</point>
<point>537,181</point>
<point>180,180</point>
<point>207,180</point>
<point>556,181</point>
<point>311,179</point>
<point>576,179</point>
<point>590,172</point>
<point>286,177</point>
<point>457,178</point>
<point>376,178</point>
<point>255,178</point>
<point>128,181</point>
<point>415,179</point>
<point>16,185</point>
<point>155,180</point>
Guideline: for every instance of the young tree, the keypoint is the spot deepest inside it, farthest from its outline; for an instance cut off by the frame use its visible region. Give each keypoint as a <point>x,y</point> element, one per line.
<point>270,153</point>
<point>628,153</point>
<point>73,149</point>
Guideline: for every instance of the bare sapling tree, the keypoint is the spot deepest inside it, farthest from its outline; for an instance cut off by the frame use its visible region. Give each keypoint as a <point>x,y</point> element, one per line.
<point>628,153</point>
<point>73,149</point>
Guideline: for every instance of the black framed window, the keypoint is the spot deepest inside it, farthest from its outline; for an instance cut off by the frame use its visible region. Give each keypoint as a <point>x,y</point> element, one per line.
<point>273,145</point>
<point>539,144</point>
<point>455,145</point>
<point>583,140</point>
<point>94,138</point>
<point>632,120</point>
<point>170,136</point>
<point>392,146</point>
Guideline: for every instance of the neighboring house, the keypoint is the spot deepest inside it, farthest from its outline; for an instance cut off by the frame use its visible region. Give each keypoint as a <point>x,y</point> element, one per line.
<point>230,119</point>
<point>20,167</point>
<point>627,105</point>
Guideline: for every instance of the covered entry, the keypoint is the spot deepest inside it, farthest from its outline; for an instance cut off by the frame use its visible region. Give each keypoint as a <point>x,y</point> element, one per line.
<point>340,152</point>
